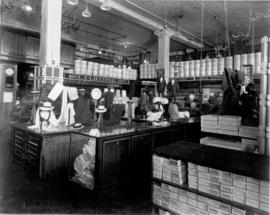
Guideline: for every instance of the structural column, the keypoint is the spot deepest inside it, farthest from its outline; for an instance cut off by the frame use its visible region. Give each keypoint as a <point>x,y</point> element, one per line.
<point>164,51</point>
<point>50,32</point>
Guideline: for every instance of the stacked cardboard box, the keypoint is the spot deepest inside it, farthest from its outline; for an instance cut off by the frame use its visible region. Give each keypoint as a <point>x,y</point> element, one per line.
<point>233,187</point>
<point>157,166</point>
<point>171,170</point>
<point>221,124</point>
<point>185,202</point>
<point>193,181</point>
<point>264,197</point>
<point>229,124</point>
<point>209,123</point>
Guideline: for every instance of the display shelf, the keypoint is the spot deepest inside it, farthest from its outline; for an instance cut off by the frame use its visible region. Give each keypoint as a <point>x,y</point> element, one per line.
<point>232,203</point>
<point>216,134</point>
<point>239,162</point>
<point>86,79</point>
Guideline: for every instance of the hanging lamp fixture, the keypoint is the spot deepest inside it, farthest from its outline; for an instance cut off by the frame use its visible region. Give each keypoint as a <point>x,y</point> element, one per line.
<point>86,13</point>
<point>27,6</point>
<point>106,5</point>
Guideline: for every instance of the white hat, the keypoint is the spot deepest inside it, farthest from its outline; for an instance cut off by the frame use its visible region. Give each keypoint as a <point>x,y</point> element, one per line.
<point>156,100</point>
<point>46,106</point>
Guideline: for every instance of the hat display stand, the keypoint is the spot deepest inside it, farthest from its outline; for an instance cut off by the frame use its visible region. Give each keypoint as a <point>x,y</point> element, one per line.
<point>45,114</point>
<point>100,110</point>
<point>95,94</point>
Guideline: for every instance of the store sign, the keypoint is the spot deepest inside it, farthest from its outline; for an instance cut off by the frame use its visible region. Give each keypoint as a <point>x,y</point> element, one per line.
<point>78,78</point>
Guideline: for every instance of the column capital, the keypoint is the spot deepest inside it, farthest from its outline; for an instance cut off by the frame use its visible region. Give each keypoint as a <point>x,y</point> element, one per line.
<point>164,32</point>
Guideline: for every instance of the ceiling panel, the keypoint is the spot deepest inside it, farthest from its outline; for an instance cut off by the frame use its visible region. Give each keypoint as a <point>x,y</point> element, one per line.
<point>112,29</point>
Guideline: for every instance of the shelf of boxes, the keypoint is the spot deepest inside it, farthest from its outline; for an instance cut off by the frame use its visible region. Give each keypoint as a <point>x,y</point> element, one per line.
<point>88,68</point>
<point>186,188</point>
<point>205,69</point>
<point>148,71</point>
<point>228,126</point>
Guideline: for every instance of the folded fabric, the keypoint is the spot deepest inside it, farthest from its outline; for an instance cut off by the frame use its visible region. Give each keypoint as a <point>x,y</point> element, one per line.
<point>69,114</point>
<point>56,91</point>
<point>72,93</point>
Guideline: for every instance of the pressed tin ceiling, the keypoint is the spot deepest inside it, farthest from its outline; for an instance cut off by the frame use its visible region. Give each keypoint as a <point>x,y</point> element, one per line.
<point>113,29</point>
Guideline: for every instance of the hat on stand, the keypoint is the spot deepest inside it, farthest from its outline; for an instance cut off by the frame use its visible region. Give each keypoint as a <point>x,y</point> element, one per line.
<point>46,106</point>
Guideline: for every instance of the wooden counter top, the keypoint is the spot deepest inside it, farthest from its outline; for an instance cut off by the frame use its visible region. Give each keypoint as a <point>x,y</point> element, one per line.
<point>122,128</point>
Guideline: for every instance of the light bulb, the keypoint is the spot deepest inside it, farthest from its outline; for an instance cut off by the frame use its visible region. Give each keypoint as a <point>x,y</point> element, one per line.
<point>86,13</point>
<point>106,5</point>
<point>27,8</point>
<point>73,2</point>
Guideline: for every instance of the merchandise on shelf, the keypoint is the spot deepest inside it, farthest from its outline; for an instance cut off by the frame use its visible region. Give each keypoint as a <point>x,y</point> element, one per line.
<point>181,201</point>
<point>229,125</point>
<point>186,69</point>
<point>257,65</point>
<point>243,60</point>
<point>197,68</point>
<point>192,68</point>
<point>221,65</point>
<point>237,62</point>
<point>203,68</point>
<point>214,62</point>
<point>169,170</point>
<point>103,70</point>
<point>208,67</point>
<point>228,62</point>
<point>230,186</point>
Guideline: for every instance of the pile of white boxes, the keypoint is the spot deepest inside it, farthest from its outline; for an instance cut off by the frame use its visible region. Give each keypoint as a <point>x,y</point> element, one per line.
<point>103,70</point>
<point>170,170</point>
<point>233,187</point>
<point>184,202</point>
<point>205,67</point>
<point>221,124</point>
<point>148,71</point>
<point>229,125</point>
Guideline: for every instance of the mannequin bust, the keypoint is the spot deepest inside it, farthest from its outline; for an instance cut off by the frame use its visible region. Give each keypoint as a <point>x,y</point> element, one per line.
<point>161,85</point>
<point>172,88</point>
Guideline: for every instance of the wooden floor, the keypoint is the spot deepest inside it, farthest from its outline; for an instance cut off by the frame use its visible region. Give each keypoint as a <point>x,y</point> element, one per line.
<point>22,193</point>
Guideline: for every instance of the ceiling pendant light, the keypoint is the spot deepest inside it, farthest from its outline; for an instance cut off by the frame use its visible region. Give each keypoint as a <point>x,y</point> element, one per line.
<point>106,5</point>
<point>86,13</point>
<point>73,2</point>
<point>27,6</point>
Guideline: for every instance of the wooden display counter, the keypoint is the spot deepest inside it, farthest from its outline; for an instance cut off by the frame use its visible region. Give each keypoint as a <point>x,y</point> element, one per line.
<point>119,148</point>
<point>44,154</point>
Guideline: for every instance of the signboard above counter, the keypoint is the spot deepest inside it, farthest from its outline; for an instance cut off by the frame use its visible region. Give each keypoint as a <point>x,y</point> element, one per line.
<point>78,79</point>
